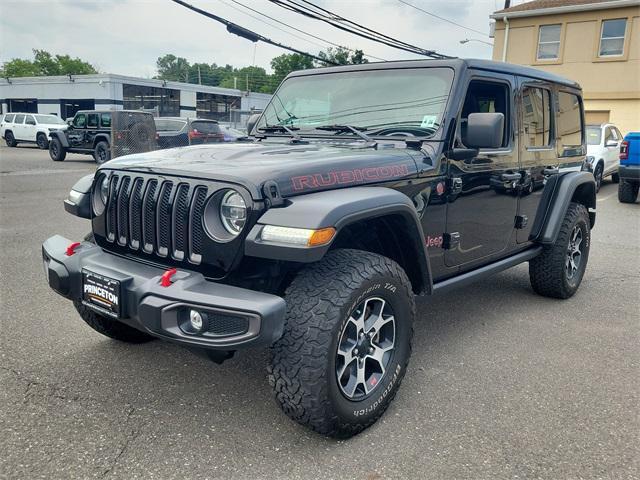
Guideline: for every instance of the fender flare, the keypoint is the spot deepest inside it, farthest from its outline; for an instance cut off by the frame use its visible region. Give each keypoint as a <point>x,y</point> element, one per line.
<point>78,203</point>
<point>102,137</point>
<point>571,186</point>
<point>338,209</point>
<point>60,136</point>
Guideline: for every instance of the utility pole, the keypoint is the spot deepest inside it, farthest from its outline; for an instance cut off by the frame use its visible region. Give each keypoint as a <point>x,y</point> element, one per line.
<point>235,83</point>
<point>247,82</point>
<point>199,77</point>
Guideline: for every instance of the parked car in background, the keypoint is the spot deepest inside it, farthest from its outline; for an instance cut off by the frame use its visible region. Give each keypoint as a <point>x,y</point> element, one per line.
<point>603,147</point>
<point>182,131</point>
<point>629,168</point>
<point>105,133</point>
<point>18,128</point>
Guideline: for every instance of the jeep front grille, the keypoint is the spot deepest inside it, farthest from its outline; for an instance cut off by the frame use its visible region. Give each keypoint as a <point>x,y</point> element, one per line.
<point>159,217</point>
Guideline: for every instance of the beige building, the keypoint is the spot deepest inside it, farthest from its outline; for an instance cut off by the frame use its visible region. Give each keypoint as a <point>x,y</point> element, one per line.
<point>594,42</point>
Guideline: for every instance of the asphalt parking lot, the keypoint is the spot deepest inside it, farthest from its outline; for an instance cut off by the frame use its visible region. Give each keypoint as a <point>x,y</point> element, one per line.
<point>502,383</point>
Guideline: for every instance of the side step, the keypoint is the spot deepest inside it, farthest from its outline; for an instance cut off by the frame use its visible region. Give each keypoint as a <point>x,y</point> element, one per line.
<point>483,272</point>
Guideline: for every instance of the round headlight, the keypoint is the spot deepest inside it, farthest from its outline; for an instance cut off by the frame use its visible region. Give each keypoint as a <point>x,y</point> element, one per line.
<point>100,195</point>
<point>104,189</point>
<point>233,212</point>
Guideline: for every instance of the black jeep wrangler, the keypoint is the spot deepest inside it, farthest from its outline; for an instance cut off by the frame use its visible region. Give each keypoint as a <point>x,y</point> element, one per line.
<point>104,134</point>
<point>365,186</point>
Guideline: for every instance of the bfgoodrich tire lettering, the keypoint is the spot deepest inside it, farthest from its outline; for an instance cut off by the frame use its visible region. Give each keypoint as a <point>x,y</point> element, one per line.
<point>320,299</point>
<point>557,272</point>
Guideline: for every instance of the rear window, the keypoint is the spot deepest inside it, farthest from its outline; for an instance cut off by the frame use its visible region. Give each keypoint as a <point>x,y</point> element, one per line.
<point>594,135</point>
<point>569,124</point>
<point>205,127</point>
<point>165,125</point>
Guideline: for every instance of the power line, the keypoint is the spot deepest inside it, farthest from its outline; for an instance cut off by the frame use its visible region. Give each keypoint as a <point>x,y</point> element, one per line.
<point>299,30</point>
<point>443,19</point>
<point>248,34</point>
<point>313,11</point>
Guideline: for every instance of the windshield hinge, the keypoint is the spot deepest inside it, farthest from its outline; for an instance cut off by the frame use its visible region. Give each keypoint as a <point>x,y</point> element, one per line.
<point>272,194</point>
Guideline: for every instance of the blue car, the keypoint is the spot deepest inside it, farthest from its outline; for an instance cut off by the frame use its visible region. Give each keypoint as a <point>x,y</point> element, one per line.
<point>629,168</point>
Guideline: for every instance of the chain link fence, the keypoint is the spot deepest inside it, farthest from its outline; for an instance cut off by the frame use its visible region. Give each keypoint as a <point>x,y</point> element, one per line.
<point>132,132</point>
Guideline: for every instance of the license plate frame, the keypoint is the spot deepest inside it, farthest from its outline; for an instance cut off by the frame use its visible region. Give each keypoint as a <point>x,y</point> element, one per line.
<point>101,293</point>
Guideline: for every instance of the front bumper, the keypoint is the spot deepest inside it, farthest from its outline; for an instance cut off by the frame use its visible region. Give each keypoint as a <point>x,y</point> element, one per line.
<point>629,172</point>
<point>158,310</point>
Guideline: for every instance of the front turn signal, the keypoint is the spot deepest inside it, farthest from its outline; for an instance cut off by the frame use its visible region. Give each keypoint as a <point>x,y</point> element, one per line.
<point>301,237</point>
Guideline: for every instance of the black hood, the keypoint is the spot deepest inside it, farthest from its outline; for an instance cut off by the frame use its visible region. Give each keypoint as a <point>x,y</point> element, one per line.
<point>297,168</point>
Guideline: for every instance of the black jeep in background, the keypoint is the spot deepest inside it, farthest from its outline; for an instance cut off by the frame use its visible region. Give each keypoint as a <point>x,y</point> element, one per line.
<point>104,134</point>
<point>365,186</point>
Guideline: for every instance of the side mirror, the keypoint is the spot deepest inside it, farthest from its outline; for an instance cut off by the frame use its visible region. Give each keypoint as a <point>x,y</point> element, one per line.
<point>611,143</point>
<point>251,122</point>
<point>484,130</point>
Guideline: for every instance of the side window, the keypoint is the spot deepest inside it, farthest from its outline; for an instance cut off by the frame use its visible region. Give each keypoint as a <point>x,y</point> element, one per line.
<point>609,135</point>
<point>105,120</point>
<point>19,119</point>
<point>617,133</point>
<point>8,118</point>
<point>92,121</point>
<point>486,97</point>
<point>569,121</point>
<point>29,120</point>
<point>536,117</point>
<point>80,120</point>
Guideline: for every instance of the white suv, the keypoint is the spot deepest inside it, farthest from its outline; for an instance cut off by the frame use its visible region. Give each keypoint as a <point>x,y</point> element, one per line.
<point>29,128</point>
<point>603,148</point>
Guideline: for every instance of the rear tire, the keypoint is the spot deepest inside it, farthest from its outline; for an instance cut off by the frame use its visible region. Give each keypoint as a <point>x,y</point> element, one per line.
<point>10,140</point>
<point>628,192</point>
<point>102,153</point>
<point>42,142</point>
<point>56,150</point>
<point>111,328</point>
<point>317,374</point>
<point>557,272</point>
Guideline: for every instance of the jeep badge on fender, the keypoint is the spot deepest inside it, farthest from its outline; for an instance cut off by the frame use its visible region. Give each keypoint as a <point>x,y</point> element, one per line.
<point>362,187</point>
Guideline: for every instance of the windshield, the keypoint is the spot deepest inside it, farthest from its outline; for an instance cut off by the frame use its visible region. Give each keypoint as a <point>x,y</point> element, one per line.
<point>594,135</point>
<point>384,102</point>
<point>50,119</point>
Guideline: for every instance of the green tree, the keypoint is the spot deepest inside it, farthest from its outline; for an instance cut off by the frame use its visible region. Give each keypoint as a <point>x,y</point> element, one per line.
<point>341,56</point>
<point>174,68</point>
<point>44,63</point>
<point>286,63</point>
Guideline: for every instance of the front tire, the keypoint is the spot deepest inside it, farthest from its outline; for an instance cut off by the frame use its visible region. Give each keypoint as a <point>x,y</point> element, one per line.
<point>628,192</point>
<point>597,175</point>
<point>111,328</point>
<point>346,342</point>
<point>56,150</point>
<point>557,272</point>
<point>42,142</point>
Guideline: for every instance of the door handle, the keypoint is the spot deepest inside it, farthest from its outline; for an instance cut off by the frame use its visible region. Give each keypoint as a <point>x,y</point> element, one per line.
<point>550,171</point>
<point>510,177</point>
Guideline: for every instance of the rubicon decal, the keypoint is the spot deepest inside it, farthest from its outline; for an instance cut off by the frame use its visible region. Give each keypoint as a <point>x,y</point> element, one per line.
<point>101,294</point>
<point>344,177</point>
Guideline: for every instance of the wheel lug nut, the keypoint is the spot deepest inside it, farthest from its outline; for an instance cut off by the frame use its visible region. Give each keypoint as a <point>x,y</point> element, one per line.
<point>370,349</point>
<point>355,351</point>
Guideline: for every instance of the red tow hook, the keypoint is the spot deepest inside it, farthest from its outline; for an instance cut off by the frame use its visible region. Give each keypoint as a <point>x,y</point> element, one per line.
<point>71,249</point>
<point>165,280</point>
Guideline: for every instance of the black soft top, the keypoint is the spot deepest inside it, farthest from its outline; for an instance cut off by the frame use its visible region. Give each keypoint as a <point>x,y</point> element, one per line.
<point>455,63</point>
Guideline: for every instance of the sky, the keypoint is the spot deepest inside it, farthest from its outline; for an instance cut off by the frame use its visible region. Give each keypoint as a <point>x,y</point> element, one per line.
<point>127,36</point>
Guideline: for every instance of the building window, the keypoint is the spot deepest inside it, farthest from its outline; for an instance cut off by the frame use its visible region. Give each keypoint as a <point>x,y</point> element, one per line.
<point>165,102</point>
<point>216,107</point>
<point>549,42</point>
<point>612,37</point>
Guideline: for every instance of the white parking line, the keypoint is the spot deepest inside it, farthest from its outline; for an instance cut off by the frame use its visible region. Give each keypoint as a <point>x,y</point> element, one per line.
<point>607,197</point>
<point>41,172</point>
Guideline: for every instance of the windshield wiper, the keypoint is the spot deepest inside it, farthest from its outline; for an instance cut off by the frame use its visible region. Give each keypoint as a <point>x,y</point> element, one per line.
<point>350,128</point>
<point>282,128</point>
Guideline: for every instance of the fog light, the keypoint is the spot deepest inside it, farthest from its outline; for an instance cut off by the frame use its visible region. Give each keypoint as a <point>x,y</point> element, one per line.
<point>196,320</point>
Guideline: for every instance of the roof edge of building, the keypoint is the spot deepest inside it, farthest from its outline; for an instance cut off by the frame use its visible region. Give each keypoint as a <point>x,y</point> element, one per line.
<point>500,14</point>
